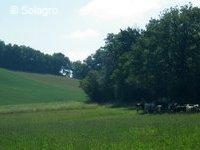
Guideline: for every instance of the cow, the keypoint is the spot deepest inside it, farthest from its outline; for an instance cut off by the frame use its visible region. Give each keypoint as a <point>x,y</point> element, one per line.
<point>192,108</point>
<point>149,107</point>
<point>159,108</point>
<point>175,107</point>
<point>172,107</point>
<point>197,108</point>
<point>139,106</point>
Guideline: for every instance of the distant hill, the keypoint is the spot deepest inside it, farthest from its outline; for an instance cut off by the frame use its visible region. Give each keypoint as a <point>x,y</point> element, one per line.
<point>27,88</point>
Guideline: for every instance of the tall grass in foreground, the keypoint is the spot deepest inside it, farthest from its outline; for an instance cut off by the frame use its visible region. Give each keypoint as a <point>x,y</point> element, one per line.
<point>98,127</point>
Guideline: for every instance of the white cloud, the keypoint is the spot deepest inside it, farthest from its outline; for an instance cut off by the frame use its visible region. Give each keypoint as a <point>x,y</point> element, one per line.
<point>88,33</point>
<point>77,54</point>
<point>182,2</point>
<point>113,9</point>
<point>128,12</point>
<point>195,2</point>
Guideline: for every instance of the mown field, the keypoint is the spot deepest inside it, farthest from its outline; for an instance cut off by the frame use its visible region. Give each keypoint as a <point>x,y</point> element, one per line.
<point>49,113</point>
<point>28,88</point>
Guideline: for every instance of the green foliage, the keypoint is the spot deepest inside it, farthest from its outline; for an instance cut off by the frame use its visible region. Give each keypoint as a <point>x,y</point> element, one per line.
<point>23,58</point>
<point>91,86</point>
<point>79,69</point>
<point>162,61</point>
<point>25,88</point>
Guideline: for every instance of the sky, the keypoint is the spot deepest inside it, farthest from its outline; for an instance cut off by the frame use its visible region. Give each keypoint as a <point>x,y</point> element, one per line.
<point>76,28</point>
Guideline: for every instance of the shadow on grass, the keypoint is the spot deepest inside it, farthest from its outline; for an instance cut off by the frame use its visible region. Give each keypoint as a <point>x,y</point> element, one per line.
<point>115,105</point>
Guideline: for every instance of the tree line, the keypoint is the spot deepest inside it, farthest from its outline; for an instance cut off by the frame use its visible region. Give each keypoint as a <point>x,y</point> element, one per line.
<point>22,58</point>
<point>159,63</point>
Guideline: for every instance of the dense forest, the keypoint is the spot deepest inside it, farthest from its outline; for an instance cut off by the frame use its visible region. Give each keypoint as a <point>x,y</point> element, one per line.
<point>22,58</point>
<point>160,63</point>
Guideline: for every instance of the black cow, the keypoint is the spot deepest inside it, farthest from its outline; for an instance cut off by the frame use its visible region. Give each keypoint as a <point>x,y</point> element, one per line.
<point>139,106</point>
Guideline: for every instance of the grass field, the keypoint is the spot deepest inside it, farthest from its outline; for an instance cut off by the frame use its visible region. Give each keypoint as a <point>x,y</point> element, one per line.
<point>49,113</point>
<point>27,88</point>
<point>84,126</point>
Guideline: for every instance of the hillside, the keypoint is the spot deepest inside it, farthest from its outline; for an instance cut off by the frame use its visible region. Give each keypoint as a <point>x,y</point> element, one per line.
<point>28,88</point>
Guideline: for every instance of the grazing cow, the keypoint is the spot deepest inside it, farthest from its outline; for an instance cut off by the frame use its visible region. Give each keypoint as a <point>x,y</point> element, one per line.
<point>149,107</point>
<point>197,108</point>
<point>189,108</point>
<point>139,106</point>
<point>159,108</point>
<point>172,107</point>
<point>192,108</point>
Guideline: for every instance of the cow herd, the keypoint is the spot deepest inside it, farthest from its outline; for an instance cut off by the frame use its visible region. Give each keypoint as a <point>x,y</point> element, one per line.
<point>167,108</point>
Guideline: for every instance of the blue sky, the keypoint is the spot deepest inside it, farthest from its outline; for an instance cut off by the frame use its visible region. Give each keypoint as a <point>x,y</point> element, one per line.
<point>76,28</point>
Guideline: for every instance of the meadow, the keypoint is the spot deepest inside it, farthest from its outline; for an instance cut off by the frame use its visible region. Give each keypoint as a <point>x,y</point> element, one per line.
<point>27,88</point>
<point>90,126</point>
<point>49,113</point>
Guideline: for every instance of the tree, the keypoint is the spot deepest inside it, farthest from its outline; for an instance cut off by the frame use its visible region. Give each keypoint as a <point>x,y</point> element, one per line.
<point>24,58</point>
<point>160,62</point>
<point>79,69</point>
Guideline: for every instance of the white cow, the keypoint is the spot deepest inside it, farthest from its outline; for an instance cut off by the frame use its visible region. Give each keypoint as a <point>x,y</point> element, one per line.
<point>192,108</point>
